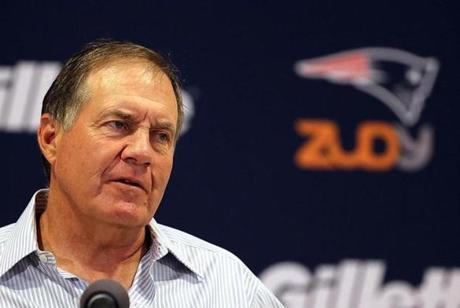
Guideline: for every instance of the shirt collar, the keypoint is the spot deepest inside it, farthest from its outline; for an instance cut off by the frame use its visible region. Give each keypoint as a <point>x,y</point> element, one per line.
<point>22,239</point>
<point>176,249</point>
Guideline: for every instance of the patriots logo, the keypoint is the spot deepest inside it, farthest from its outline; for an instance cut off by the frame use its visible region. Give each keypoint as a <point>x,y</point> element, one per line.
<point>401,80</point>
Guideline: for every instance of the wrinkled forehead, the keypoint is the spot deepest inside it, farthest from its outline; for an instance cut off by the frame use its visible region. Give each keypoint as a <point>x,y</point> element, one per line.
<point>114,70</point>
<point>120,71</point>
<point>131,83</point>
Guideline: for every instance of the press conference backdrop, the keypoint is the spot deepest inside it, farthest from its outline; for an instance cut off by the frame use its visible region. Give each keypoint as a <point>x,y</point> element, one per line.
<point>321,142</point>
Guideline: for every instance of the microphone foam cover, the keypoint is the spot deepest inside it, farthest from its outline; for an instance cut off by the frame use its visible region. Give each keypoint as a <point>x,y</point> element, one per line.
<point>105,287</point>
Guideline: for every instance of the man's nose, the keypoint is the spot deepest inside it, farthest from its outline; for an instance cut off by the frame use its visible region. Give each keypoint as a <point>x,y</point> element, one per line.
<point>138,149</point>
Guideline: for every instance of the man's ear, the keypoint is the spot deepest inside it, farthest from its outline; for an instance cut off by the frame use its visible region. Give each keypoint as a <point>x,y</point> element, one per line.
<point>47,136</point>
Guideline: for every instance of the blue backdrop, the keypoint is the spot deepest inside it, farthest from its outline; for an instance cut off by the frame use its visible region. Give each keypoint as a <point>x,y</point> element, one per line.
<point>348,159</point>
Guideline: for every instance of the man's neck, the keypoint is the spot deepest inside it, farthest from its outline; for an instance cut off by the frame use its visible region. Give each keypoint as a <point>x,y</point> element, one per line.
<point>91,250</point>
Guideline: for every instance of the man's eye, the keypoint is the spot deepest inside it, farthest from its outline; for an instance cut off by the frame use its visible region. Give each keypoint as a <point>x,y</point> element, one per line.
<point>163,137</point>
<point>118,125</point>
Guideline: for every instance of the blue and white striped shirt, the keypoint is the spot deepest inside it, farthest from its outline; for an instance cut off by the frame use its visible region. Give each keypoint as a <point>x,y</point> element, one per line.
<point>178,270</point>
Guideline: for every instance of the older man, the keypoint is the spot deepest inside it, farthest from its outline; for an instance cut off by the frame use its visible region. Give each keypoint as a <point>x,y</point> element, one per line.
<point>108,130</point>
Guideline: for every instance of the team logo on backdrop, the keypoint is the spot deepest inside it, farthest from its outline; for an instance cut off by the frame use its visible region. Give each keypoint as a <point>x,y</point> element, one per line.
<point>359,284</point>
<point>23,87</point>
<point>400,80</point>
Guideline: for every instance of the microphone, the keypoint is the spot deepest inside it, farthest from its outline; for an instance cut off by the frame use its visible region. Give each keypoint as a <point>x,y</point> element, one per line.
<point>104,293</point>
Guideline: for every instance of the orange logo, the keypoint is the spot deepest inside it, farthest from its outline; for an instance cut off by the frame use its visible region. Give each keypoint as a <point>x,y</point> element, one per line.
<point>323,150</point>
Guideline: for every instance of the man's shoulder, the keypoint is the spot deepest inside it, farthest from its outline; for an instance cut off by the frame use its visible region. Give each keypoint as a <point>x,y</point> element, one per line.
<point>214,262</point>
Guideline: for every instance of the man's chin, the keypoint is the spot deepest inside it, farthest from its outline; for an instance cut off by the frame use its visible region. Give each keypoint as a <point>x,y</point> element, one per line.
<point>127,214</point>
<point>124,191</point>
<point>124,207</point>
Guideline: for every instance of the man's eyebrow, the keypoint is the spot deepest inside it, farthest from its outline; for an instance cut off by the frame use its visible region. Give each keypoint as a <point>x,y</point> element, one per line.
<point>165,125</point>
<point>119,114</point>
<point>126,116</point>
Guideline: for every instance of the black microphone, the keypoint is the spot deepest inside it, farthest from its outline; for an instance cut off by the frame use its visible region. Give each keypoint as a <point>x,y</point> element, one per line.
<point>104,293</point>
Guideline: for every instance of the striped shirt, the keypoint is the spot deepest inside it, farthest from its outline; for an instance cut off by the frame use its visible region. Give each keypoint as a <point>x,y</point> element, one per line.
<point>177,271</point>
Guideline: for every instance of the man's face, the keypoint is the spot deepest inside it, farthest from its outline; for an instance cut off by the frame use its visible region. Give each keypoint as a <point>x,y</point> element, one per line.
<point>114,163</point>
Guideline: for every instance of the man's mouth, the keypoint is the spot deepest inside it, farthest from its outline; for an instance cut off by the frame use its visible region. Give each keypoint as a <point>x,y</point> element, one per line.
<point>130,182</point>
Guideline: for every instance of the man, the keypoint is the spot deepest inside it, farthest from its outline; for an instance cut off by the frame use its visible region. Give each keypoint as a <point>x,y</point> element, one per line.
<point>108,130</point>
